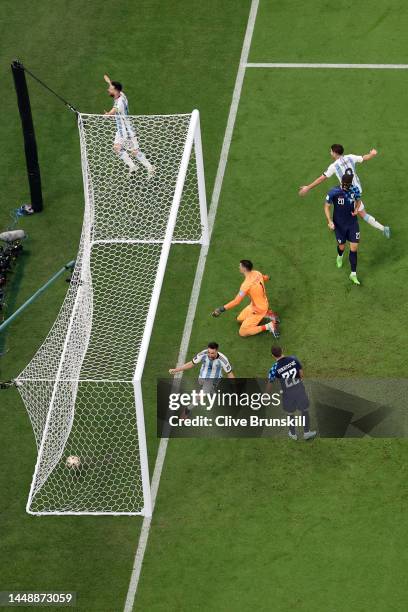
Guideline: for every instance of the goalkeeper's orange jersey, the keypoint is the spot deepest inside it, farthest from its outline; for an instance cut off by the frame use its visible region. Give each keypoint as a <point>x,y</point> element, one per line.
<point>254,287</point>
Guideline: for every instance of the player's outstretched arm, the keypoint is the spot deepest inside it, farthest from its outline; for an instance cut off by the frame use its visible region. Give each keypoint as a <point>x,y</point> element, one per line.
<point>186,366</point>
<point>328,217</point>
<point>306,188</point>
<point>370,155</point>
<point>237,300</point>
<point>230,375</point>
<point>112,111</point>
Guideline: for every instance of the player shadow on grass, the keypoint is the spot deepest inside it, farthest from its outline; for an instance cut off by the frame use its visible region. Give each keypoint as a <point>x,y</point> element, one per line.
<point>382,256</point>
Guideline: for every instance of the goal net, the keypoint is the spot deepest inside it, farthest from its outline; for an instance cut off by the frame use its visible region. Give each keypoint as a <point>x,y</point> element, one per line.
<point>82,389</point>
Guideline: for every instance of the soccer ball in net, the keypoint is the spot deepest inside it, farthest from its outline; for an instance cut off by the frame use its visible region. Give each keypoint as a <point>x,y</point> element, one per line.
<point>73,462</point>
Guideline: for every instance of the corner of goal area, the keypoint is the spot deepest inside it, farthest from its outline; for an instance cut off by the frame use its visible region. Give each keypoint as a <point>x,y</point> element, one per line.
<point>82,389</point>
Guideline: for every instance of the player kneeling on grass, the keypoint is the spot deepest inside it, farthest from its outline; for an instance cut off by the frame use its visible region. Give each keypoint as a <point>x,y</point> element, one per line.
<point>346,202</point>
<point>125,135</point>
<point>289,372</point>
<point>251,317</point>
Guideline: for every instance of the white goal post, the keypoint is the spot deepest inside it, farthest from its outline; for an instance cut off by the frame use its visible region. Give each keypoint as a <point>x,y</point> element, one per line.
<point>83,388</point>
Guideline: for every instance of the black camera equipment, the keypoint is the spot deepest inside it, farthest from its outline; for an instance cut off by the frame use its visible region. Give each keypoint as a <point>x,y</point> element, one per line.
<point>8,256</point>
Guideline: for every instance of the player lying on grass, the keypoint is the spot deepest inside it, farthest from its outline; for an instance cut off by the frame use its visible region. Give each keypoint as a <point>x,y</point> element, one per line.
<point>251,317</point>
<point>289,372</point>
<point>125,135</point>
<point>338,167</point>
<point>346,203</point>
<point>213,363</point>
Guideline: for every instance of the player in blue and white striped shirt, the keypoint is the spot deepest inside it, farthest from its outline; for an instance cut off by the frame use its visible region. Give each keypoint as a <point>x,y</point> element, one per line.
<point>125,135</point>
<point>339,167</point>
<point>213,363</point>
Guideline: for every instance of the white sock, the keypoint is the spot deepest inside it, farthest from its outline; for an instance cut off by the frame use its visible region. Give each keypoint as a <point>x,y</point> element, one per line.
<point>371,221</point>
<point>125,157</point>
<point>141,157</point>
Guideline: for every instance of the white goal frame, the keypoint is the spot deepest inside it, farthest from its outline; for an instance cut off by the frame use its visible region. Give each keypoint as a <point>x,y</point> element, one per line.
<point>192,146</point>
<point>193,140</point>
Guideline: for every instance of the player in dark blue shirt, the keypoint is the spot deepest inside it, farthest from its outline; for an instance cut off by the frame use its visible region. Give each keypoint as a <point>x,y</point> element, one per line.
<point>345,201</point>
<point>289,372</point>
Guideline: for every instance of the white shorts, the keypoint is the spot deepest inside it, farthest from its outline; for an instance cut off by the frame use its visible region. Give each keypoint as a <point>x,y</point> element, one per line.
<point>127,142</point>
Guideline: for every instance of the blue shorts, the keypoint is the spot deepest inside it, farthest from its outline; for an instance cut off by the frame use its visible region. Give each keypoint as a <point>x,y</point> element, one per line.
<point>295,401</point>
<point>349,233</point>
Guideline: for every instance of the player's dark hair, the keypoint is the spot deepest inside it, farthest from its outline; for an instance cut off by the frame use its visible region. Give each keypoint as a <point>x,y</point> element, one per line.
<point>212,345</point>
<point>248,265</point>
<point>277,351</point>
<point>117,85</point>
<point>347,178</point>
<point>337,148</point>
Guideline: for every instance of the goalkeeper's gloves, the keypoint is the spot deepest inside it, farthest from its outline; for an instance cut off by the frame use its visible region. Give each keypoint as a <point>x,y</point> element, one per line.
<point>218,311</point>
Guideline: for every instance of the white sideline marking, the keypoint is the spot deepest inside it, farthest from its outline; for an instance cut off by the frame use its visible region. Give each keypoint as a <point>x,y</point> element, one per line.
<point>161,454</point>
<point>352,66</point>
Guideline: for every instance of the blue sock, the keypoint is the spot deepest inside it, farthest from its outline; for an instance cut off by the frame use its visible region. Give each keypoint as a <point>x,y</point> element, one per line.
<point>305,415</point>
<point>353,260</point>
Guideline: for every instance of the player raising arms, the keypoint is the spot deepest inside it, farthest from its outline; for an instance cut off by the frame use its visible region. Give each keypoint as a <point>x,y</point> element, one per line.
<point>346,202</point>
<point>251,317</point>
<point>125,135</point>
<point>339,166</point>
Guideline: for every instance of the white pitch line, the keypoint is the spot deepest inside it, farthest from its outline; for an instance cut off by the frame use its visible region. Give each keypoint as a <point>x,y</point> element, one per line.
<point>161,454</point>
<point>350,66</point>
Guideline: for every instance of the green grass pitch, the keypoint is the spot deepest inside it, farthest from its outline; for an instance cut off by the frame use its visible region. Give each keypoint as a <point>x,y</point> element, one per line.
<point>239,524</point>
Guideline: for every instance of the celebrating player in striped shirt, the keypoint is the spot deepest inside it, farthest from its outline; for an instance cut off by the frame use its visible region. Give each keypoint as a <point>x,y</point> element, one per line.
<point>125,135</point>
<point>213,363</point>
<point>251,317</point>
<point>339,166</point>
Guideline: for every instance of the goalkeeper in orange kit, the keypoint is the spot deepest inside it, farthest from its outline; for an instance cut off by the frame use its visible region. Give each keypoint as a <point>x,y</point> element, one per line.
<point>251,317</point>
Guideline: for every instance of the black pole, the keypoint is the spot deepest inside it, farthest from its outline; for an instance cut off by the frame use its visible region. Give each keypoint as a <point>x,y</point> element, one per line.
<point>30,145</point>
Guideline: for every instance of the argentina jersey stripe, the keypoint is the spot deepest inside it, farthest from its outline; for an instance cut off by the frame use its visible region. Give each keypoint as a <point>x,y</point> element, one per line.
<point>123,124</point>
<point>342,164</point>
<point>212,368</point>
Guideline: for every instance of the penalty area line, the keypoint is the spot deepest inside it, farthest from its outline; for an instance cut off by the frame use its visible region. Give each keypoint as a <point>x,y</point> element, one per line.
<point>161,454</point>
<point>333,66</point>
